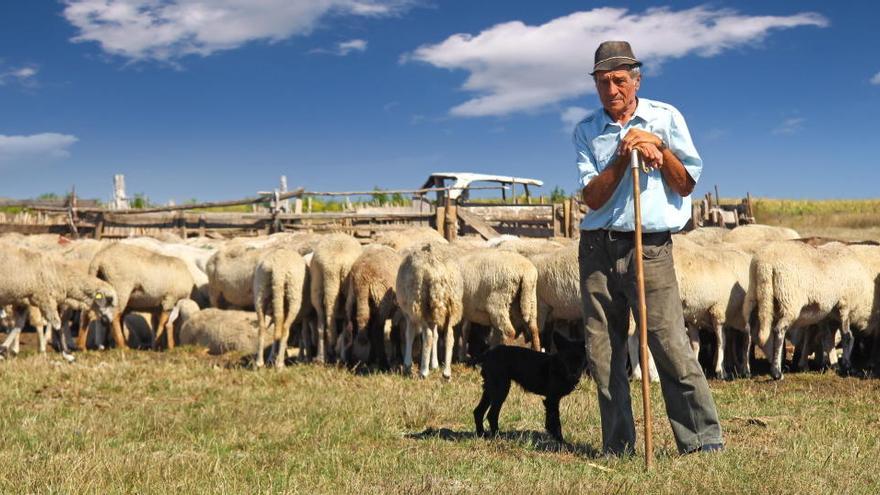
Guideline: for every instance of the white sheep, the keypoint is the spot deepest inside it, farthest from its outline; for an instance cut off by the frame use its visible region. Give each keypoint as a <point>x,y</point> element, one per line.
<point>429,292</point>
<point>143,280</point>
<point>792,284</point>
<point>400,240</point>
<point>231,275</point>
<point>218,330</point>
<point>713,281</point>
<point>369,303</point>
<point>499,292</point>
<point>195,258</point>
<point>331,262</point>
<point>41,284</point>
<point>280,287</point>
<point>758,232</point>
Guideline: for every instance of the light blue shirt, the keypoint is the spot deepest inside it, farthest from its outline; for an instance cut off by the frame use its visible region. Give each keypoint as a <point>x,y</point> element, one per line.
<point>596,139</point>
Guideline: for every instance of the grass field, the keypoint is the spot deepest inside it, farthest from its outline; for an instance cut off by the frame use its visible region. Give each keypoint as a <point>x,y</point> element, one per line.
<point>144,422</point>
<point>851,220</point>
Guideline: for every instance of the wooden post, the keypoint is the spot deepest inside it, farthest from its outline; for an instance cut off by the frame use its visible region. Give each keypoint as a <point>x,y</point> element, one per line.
<point>181,224</point>
<point>440,220</point>
<point>451,223</point>
<point>99,227</point>
<point>566,218</point>
<point>717,197</point>
<point>203,224</point>
<point>749,206</point>
<point>557,224</point>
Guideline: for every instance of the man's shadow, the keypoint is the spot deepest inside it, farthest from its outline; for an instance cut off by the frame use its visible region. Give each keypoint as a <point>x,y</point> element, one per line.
<point>541,441</point>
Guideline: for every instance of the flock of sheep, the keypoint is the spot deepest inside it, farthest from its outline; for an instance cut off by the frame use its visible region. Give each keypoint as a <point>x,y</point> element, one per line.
<point>337,300</point>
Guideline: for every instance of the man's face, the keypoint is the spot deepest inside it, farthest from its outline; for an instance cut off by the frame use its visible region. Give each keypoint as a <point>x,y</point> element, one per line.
<point>617,89</point>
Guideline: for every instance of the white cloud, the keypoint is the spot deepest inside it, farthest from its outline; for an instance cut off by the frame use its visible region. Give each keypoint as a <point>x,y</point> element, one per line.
<point>22,75</point>
<point>516,67</point>
<point>346,47</point>
<point>876,78</point>
<point>789,126</point>
<point>35,146</point>
<point>571,116</point>
<point>166,30</point>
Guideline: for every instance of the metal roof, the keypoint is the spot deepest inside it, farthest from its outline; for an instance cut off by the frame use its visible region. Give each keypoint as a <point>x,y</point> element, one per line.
<point>464,179</point>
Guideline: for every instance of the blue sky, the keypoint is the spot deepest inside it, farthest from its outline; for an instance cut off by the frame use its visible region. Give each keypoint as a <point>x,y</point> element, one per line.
<point>216,99</point>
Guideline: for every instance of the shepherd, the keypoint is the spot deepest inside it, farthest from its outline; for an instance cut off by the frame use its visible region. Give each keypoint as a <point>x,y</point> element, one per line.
<point>604,141</point>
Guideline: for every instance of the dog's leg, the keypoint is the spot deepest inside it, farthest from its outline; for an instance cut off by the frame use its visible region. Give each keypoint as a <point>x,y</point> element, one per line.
<point>500,395</point>
<point>480,410</point>
<point>551,418</point>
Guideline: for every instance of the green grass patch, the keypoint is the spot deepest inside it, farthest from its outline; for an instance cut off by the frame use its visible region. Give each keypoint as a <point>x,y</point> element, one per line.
<point>144,422</point>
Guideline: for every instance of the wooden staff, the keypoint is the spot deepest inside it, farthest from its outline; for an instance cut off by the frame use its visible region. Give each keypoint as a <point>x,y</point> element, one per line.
<point>643,315</point>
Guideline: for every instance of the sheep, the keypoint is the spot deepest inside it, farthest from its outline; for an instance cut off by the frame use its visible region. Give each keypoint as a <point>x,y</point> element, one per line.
<point>713,281</point>
<point>793,285</point>
<point>40,283</point>
<point>369,302</point>
<point>705,236</point>
<point>429,292</point>
<point>218,330</point>
<point>524,246</point>
<point>331,262</point>
<point>758,232</point>
<point>400,240</point>
<point>143,280</point>
<point>280,287</point>
<point>231,275</point>
<point>196,260</point>
<point>498,285</point>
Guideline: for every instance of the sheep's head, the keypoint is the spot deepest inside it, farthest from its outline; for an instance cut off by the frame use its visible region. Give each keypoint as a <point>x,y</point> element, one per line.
<point>104,302</point>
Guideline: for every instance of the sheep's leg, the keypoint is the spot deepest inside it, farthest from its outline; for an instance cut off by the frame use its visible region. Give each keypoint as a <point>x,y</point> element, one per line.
<point>633,346</point>
<point>407,346</point>
<point>321,355</point>
<point>160,329</point>
<point>305,341</point>
<point>282,334</point>
<point>847,341</point>
<point>83,330</point>
<point>261,335</point>
<point>100,335</point>
<point>778,339</point>
<point>535,335</point>
<point>447,356</point>
<point>719,351</point>
<point>463,343</point>
<point>116,327</point>
<point>427,344</point>
<point>62,335</point>
<point>694,335</point>
<point>41,336</point>
<point>435,337</point>
<point>745,366</point>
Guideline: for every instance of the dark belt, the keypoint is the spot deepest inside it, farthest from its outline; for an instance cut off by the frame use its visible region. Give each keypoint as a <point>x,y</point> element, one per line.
<point>648,238</point>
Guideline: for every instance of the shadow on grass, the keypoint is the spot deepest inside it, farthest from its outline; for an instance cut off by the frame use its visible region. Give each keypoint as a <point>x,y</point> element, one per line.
<point>539,440</point>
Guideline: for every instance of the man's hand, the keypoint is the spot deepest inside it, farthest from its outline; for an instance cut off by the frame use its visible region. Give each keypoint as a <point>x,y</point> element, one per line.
<point>649,145</point>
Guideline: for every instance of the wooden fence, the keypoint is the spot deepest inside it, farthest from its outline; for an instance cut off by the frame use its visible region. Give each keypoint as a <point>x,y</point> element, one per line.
<point>486,220</point>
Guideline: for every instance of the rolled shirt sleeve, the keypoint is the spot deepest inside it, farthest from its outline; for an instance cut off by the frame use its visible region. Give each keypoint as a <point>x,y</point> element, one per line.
<point>681,144</point>
<point>586,163</point>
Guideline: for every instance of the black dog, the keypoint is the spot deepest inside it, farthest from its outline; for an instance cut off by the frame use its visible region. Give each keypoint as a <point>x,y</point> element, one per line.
<point>551,375</point>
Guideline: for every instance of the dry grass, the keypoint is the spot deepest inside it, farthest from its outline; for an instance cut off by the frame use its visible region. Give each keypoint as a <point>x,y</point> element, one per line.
<point>143,422</point>
<point>850,220</point>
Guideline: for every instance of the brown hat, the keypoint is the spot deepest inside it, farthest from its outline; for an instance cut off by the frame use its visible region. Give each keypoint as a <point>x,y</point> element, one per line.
<point>613,54</point>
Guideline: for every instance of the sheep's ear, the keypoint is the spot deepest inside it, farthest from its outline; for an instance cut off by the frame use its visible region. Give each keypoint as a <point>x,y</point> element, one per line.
<point>98,295</point>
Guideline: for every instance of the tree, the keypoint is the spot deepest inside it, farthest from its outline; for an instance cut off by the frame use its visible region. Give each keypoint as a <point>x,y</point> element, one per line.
<point>140,201</point>
<point>379,196</point>
<point>558,195</point>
